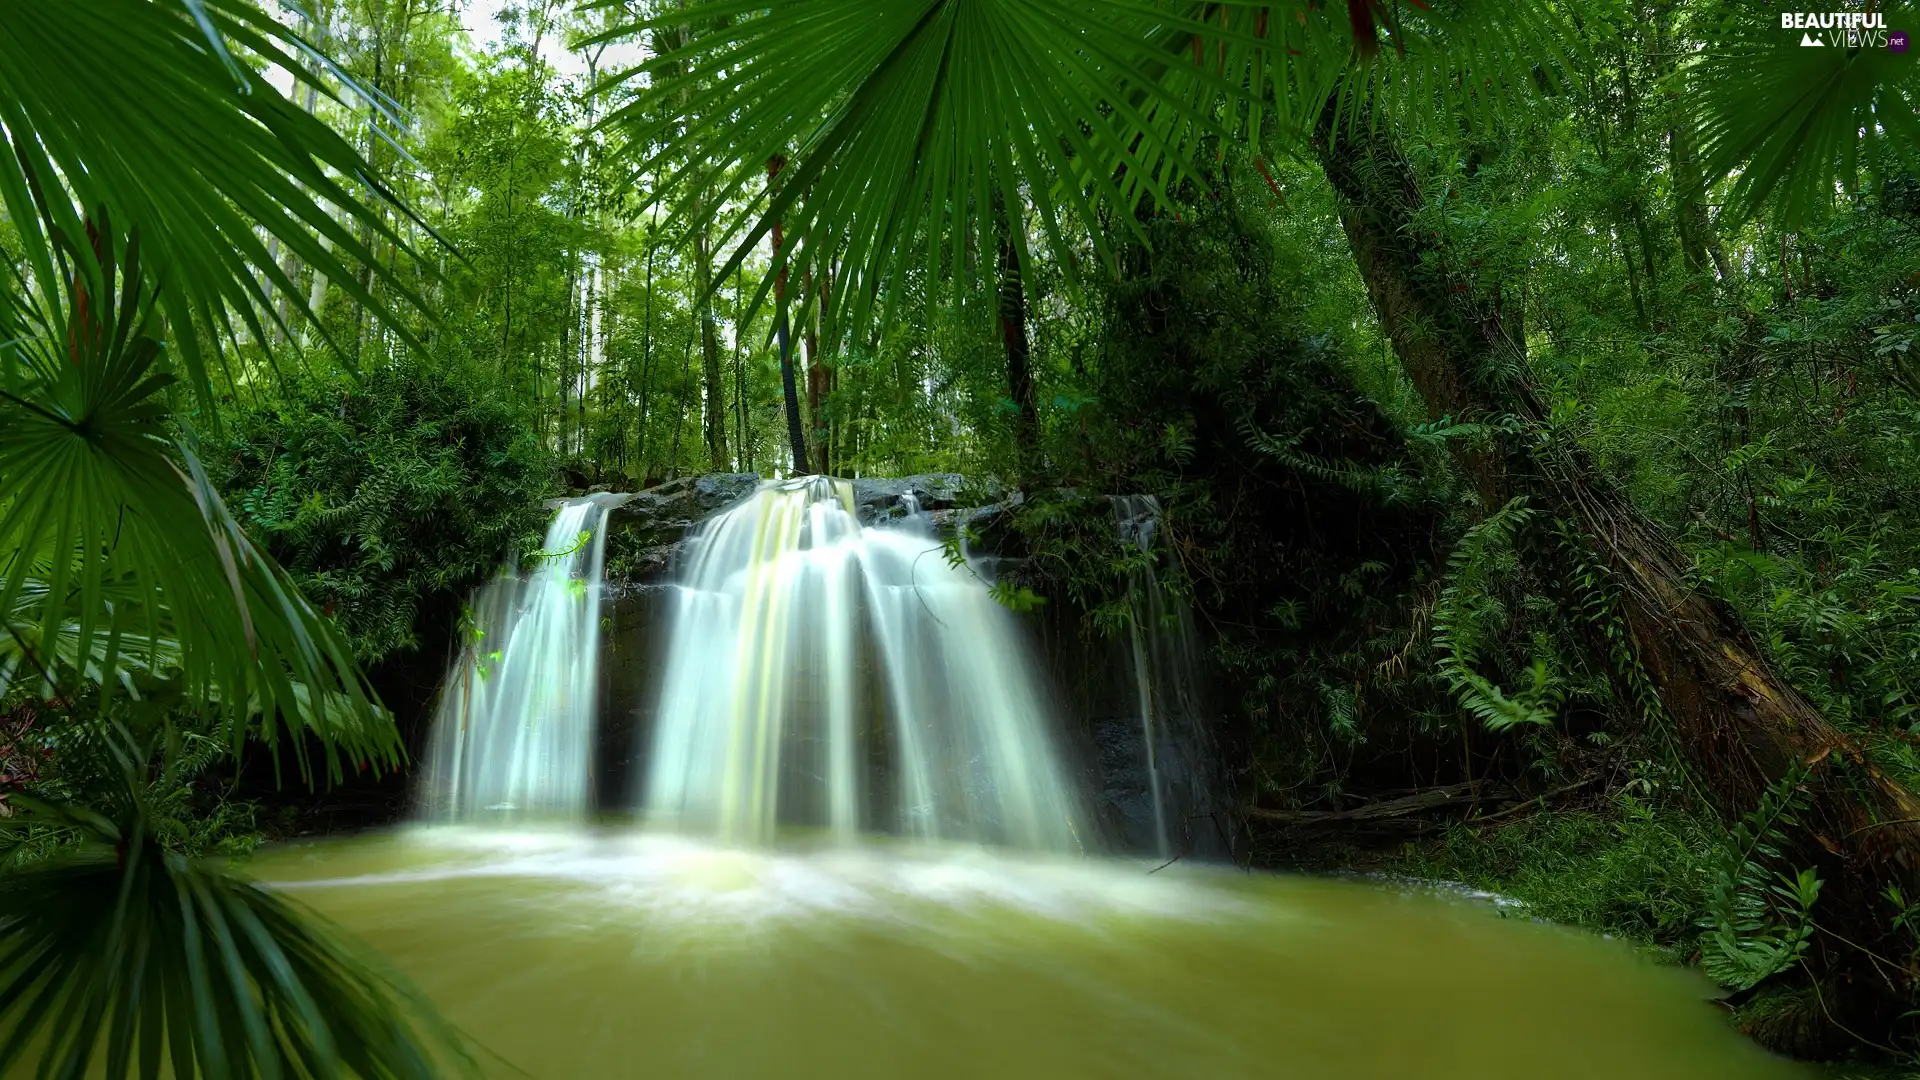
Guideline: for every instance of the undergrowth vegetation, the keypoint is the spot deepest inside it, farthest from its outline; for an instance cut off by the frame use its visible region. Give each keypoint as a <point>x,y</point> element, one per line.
<point>1619,864</point>
<point>389,496</point>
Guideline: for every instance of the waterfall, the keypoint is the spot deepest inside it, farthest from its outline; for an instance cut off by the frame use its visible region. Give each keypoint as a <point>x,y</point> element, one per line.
<point>1164,658</point>
<point>825,675</point>
<point>514,732</point>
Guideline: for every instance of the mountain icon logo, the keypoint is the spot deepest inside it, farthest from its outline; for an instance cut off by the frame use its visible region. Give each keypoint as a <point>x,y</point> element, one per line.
<point>1809,40</point>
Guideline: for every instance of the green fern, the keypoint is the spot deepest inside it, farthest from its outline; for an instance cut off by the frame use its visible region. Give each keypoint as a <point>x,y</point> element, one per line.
<point>1343,712</point>
<point>1465,616</point>
<point>1387,483</point>
<point>1439,432</point>
<point>1759,921</point>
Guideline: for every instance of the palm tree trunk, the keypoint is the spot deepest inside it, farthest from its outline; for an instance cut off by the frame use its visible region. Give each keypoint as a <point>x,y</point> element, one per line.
<point>1741,726</point>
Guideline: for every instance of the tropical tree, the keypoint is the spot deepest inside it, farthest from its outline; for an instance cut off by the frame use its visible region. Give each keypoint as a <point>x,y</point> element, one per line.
<point>143,189</point>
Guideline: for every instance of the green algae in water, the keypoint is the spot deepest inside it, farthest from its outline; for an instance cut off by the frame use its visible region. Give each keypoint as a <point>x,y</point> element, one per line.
<point>572,955</point>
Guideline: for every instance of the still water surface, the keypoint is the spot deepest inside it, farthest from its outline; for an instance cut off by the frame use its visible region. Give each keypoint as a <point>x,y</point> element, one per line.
<point>581,955</point>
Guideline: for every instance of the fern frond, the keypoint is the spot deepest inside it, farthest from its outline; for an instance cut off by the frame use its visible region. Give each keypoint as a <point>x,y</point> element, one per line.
<point>1759,920</point>
<point>1466,613</point>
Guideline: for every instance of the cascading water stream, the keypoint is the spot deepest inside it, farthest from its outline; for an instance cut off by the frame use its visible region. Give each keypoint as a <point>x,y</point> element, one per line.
<point>827,675</point>
<point>1138,520</point>
<point>514,731</point>
<point>1166,666</point>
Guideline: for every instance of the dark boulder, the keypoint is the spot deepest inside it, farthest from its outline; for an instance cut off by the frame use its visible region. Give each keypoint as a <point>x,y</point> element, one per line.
<point>880,499</point>
<point>645,531</point>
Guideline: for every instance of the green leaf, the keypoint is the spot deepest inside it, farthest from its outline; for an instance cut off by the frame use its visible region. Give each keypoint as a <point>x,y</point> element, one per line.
<point>159,116</point>
<point>121,556</point>
<point>1794,125</point>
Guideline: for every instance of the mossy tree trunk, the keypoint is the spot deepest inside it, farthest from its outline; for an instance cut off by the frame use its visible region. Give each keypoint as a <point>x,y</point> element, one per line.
<point>1739,725</point>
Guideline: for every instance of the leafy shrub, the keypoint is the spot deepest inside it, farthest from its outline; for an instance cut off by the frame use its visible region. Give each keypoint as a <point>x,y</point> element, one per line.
<point>389,498</point>
<point>1629,867</point>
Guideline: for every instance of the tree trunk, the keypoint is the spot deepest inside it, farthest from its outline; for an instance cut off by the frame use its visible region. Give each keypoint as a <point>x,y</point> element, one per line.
<point>1013,338</point>
<point>680,421</point>
<point>1699,240</point>
<point>796,435</point>
<point>1697,233</point>
<point>646,369</point>
<point>819,380</point>
<point>742,385</point>
<point>1740,726</point>
<point>716,411</point>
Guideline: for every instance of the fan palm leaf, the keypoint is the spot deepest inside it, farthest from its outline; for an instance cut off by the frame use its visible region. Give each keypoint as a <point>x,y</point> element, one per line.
<point>159,112</point>
<point>126,954</point>
<point>1794,124</point>
<point>116,552</point>
<point>903,121</point>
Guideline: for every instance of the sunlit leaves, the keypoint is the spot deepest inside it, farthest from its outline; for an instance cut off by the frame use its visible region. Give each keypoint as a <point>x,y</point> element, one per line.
<point>116,554</point>
<point>158,112</point>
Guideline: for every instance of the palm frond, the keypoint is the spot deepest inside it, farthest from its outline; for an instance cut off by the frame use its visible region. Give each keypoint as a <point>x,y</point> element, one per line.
<point>160,113</point>
<point>1795,125</point>
<point>116,553</point>
<point>1300,72</point>
<point>124,954</point>
<point>900,120</point>
<point>904,123</point>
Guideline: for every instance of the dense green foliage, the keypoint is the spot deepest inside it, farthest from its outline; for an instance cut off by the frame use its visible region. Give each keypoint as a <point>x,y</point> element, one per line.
<point>1458,367</point>
<point>1621,866</point>
<point>388,497</point>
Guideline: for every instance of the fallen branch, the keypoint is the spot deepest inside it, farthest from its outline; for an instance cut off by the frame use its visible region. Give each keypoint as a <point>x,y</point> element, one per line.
<point>1385,810</point>
<point>1537,802</point>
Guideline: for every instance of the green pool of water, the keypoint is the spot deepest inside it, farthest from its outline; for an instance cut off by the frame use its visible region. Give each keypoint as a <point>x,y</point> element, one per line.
<point>581,955</point>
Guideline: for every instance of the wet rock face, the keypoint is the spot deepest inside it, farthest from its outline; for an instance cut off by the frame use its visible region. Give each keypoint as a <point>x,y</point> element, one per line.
<point>879,500</point>
<point>645,531</point>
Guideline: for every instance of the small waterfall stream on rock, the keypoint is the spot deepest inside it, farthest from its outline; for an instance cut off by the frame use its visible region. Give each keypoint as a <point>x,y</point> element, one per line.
<point>1164,665</point>
<point>860,679</point>
<point>514,733</point>
<point>1138,518</point>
